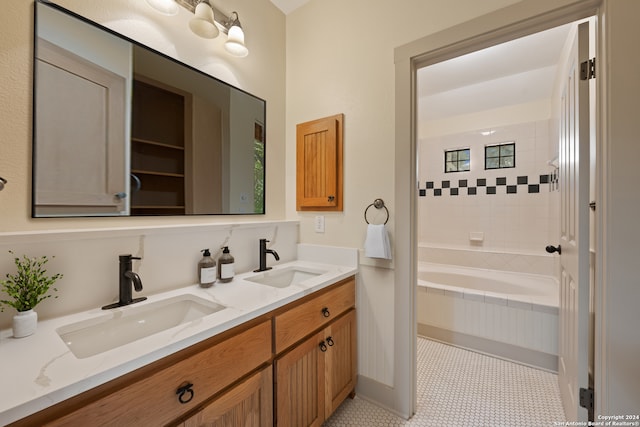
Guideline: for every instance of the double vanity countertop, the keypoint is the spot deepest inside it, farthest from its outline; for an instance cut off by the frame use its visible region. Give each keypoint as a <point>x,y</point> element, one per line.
<point>40,370</point>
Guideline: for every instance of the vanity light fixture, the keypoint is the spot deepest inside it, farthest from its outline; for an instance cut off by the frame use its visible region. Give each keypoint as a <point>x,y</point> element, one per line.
<point>235,43</point>
<point>208,22</point>
<point>203,24</point>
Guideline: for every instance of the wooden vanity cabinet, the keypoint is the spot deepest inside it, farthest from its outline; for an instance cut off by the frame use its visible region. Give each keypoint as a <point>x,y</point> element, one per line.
<point>315,375</point>
<point>150,395</point>
<point>304,352</point>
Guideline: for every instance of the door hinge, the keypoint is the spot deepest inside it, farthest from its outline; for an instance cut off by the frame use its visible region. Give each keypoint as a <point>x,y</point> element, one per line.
<point>588,69</point>
<point>587,399</point>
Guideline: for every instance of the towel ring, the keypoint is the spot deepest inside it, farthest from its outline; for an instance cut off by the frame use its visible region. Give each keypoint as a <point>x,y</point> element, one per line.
<point>378,204</point>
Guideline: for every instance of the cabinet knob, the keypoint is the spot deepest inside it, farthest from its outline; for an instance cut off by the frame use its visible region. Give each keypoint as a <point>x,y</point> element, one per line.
<point>325,312</point>
<point>330,341</point>
<point>332,198</point>
<point>121,195</point>
<point>185,393</point>
<point>323,347</point>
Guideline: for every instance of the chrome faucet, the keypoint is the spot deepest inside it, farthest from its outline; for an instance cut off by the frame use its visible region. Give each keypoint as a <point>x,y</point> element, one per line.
<point>127,280</point>
<point>263,256</point>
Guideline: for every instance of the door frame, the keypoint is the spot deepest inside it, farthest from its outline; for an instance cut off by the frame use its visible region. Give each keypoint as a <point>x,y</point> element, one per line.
<point>518,20</point>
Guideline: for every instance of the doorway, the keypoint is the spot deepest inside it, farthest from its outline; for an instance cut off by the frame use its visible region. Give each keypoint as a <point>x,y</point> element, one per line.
<point>478,34</point>
<point>489,201</point>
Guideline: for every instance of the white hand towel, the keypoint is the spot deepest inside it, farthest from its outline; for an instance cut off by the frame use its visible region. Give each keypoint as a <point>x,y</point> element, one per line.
<point>377,244</point>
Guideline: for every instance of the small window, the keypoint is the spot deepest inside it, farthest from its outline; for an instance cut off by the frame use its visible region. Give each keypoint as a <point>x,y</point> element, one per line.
<point>500,156</point>
<point>457,160</point>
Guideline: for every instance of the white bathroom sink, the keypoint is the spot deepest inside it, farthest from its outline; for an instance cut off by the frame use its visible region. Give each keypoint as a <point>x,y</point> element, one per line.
<point>284,277</point>
<point>123,325</point>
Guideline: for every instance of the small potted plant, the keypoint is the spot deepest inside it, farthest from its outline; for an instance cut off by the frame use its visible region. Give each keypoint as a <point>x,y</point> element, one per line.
<point>26,289</point>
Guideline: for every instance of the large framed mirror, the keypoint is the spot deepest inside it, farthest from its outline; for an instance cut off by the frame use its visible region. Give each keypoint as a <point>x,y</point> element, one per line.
<point>120,129</point>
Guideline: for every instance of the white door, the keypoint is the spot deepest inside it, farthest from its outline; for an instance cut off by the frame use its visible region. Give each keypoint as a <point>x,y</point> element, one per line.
<point>574,232</point>
<point>80,127</point>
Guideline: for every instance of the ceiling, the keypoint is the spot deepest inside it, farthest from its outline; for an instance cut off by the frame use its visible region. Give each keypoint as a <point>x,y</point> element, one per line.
<point>288,6</point>
<point>516,72</point>
<point>512,73</point>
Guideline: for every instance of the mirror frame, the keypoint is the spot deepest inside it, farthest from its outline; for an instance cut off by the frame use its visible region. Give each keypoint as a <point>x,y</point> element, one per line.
<point>129,137</point>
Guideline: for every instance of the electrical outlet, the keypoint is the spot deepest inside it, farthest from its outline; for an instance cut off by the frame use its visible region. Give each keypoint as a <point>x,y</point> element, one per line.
<point>319,224</point>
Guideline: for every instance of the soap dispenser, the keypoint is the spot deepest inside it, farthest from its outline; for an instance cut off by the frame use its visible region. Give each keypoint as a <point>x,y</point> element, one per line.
<point>206,269</point>
<point>226,266</point>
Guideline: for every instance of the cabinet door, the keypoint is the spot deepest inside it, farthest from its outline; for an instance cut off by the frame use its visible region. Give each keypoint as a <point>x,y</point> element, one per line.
<point>249,404</point>
<point>319,164</point>
<point>300,387</point>
<point>340,361</point>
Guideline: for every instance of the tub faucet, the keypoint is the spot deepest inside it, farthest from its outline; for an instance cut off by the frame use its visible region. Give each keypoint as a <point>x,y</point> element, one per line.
<point>263,256</point>
<point>127,280</point>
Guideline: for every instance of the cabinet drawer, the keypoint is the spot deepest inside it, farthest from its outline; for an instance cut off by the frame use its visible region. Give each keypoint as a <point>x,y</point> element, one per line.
<point>153,400</point>
<point>298,322</point>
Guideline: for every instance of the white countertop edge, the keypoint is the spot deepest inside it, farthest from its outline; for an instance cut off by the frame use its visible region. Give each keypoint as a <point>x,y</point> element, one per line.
<point>20,402</point>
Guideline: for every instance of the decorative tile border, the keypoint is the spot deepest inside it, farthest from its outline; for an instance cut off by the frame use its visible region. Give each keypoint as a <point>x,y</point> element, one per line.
<point>470,188</point>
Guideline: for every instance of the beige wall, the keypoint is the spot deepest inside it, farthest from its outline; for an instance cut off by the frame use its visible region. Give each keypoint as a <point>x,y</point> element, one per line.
<point>262,73</point>
<point>340,59</point>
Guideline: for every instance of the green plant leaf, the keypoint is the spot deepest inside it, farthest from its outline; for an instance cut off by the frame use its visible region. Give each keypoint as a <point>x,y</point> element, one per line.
<point>30,285</point>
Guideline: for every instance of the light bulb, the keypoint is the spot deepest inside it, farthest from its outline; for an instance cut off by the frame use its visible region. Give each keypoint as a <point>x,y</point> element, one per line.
<point>203,24</point>
<point>235,43</point>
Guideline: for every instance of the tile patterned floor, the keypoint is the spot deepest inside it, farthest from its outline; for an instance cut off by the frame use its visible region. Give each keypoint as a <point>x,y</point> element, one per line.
<point>457,387</point>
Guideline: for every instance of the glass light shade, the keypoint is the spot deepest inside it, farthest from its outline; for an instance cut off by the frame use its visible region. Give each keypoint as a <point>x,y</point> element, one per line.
<point>235,43</point>
<point>166,7</point>
<point>202,24</point>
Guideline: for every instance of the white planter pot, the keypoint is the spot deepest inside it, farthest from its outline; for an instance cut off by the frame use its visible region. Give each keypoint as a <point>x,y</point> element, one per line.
<point>24,323</point>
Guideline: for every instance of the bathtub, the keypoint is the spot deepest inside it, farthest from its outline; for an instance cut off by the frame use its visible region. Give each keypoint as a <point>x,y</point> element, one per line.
<point>509,315</point>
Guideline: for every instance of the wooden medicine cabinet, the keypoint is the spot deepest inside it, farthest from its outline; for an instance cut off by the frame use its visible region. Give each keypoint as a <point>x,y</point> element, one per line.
<point>319,164</point>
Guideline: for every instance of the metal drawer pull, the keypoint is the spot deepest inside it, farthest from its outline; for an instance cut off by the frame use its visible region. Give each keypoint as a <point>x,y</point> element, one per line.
<point>330,341</point>
<point>185,393</point>
<point>323,347</point>
<point>325,312</point>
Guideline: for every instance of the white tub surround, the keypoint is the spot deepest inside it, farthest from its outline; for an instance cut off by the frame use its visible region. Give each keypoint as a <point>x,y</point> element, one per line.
<point>43,371</point>
<point>528,262</point>
<point>514,208</point>
<point>509,315</point>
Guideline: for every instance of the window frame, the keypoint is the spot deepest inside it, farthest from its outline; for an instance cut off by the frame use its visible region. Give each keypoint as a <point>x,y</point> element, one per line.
<point>500,156</point>
<point>458,161</point>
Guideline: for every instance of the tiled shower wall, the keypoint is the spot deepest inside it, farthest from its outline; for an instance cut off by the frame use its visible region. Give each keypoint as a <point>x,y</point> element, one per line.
<point>509,210</point>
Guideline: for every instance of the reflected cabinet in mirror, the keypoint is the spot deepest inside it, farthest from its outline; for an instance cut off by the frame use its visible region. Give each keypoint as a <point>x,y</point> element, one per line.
<point>120,129</point>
